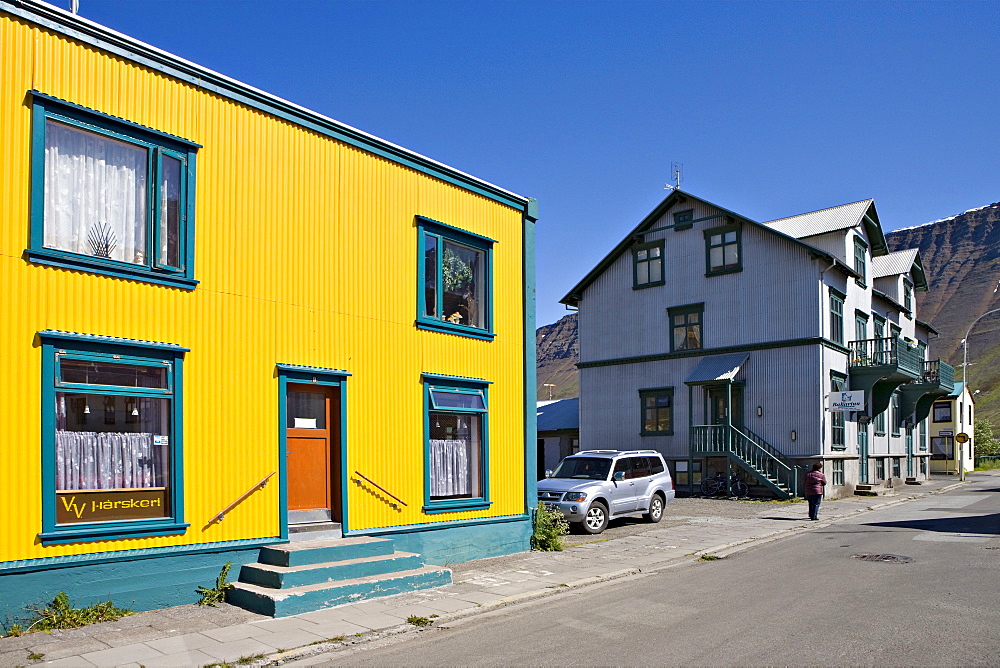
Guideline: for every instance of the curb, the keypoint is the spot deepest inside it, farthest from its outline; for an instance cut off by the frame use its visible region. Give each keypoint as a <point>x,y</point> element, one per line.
<point>721,551</point>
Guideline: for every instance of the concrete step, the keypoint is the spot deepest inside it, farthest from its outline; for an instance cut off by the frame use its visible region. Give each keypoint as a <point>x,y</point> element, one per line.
<point>285,577</point>
<point>314,531</point>
<point>302,553</point>
<point>306,598</point>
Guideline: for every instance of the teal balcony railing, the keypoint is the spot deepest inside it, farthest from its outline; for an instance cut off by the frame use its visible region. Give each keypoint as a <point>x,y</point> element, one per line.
<point>886,352</point>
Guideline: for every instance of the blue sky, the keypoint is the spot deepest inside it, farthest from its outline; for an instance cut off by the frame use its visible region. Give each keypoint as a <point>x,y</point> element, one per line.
<point>773,108</point>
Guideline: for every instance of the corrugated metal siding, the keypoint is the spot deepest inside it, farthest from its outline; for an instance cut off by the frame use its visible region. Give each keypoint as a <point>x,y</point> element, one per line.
<point>772,299</point>
<point>825,220</point>
<point>306,253</point>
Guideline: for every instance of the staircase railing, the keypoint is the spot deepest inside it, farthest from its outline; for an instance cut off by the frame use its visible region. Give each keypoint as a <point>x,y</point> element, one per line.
<point>381,489</point>
<point>260,485</point>
<point>766,462</point>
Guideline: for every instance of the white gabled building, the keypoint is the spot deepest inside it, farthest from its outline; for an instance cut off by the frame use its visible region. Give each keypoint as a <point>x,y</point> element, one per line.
<point>716,340</point>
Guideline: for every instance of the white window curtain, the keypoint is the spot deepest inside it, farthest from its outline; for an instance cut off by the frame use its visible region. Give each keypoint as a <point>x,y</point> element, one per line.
<point>450,469</point>
<point>107,460</point>
<point>95,188</point>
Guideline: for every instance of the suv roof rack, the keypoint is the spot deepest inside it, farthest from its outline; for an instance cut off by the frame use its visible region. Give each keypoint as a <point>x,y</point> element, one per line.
<point>616,452</point>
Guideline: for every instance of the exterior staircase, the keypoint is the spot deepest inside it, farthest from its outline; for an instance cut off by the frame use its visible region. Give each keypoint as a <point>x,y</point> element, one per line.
<point>310,575</point>
<point>763,461</point>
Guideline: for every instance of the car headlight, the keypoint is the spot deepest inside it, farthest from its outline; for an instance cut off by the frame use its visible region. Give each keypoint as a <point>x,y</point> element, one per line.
<point>576,496</point>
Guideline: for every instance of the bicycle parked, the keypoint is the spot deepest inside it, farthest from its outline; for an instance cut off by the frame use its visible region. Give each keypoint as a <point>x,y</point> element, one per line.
<point>738,487</point>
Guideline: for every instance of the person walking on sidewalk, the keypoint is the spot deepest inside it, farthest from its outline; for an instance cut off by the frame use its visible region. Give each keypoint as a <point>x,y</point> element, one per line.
<point>815,483</point>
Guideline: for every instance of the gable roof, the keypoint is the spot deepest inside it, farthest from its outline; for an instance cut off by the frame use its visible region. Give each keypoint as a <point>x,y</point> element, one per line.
<point>678,196</point>
<point>905,261</point>
<point>843,217</point>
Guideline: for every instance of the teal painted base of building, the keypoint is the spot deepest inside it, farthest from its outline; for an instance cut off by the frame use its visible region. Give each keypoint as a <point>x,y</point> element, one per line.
<point>139,580</point>
<point>455,544</point>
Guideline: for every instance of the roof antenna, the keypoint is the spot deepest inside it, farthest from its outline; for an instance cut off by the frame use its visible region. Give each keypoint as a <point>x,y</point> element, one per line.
<point>74,6</point>
<point>675,173</point>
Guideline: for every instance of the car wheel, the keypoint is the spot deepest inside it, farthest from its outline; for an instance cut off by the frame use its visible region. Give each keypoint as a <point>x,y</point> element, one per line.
<point>596,520</point>
<point>655,513</point>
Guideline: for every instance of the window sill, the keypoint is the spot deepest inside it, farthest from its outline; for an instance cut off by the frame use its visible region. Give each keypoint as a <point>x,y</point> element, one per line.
<point>111,532</point>
<point>55,258</point>
<point>860,283</point>
<point>722,272</point>
<point>643,286</point>
<point>455,506</point>
<point>458,330</point>
<point>838,448</point>
<point>656,433</point>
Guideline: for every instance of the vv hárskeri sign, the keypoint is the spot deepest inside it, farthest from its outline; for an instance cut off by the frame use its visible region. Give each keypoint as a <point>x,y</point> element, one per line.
<point>104,505</point>
<point>846,401</point>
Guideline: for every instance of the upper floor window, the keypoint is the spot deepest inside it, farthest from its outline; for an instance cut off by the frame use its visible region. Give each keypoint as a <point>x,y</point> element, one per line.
<point>722,250</point>
<point>907,297</point>
<point>647,264</point>
<point>879,325</point>
<point>942,411</point>
<point>836,316</point>
<point>860,259</point>
<point>684,220</point>
<point>111,197</point>
<point>456,279</point>
<point>860,326</point>
<point>657,411</point>
<point>685,325</point>
<point>895,418</point>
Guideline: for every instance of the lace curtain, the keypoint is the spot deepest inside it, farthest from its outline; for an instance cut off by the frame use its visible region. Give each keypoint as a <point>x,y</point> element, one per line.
<point>94,187</point>
<point>107,460</point>
<point>450,470</point>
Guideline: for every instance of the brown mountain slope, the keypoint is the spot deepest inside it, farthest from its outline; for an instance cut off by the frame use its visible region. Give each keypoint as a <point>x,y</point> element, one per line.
<point>558,352</point>
<point>961,256</point>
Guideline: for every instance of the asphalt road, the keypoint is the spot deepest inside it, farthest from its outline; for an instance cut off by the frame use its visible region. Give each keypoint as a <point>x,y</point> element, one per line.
<point>933,598</point>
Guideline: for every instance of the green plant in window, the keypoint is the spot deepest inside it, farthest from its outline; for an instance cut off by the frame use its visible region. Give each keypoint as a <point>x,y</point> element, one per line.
<point>457,272</point>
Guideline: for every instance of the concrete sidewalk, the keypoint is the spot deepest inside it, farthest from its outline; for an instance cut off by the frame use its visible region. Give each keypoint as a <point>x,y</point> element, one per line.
<point>197,636</point>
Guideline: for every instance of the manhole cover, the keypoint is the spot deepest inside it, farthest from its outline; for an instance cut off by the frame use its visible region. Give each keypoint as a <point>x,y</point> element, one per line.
<point>886,558</point>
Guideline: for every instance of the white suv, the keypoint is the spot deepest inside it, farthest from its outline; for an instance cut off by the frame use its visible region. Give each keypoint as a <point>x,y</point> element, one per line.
<point>594,486</point>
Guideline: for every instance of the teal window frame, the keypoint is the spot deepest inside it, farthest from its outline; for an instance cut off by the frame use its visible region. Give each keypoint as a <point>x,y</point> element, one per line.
<point>723,244</point>
<point>860,326</point>
<point>472,388</point>
<point>837,478</point>
<point>157,145</point>
<point>638,260</point>
<point>894,418</point>
<point>861,260</point>
<point>656,393</point>
<point>878,322</point>
<point>837,316</point>
<point>65,345</point>
<point>427,228</point>
<point>880,468</point>
<point>686,311</point>
<point>907,298</point>
<point>838,419</point>
<point>879,421</point>
<point>683,220</point>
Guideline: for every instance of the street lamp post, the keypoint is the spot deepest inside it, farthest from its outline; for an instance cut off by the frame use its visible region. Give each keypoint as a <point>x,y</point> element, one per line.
<point>965,371</point>
<point>551,385</point>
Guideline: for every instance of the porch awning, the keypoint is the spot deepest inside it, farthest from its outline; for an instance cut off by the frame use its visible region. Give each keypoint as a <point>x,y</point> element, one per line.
<point>717,369</point>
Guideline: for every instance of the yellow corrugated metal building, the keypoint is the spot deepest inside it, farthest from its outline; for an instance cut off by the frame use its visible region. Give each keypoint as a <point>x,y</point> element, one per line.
<point>206,287</point>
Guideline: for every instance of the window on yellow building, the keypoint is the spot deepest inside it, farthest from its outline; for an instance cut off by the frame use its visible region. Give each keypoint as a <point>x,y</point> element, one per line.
<point>456,278</point>
<point>111,443</point>
<point>111,197</point>
<point>456,447</point>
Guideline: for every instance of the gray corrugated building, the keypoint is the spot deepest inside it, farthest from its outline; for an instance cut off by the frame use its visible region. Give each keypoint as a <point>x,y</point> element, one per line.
<point>718,340</point>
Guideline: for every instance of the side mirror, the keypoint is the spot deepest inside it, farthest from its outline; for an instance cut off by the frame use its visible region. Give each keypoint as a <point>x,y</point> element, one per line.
<point>619,476</point>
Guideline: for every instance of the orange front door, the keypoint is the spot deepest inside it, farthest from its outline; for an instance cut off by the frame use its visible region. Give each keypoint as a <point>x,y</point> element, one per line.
<point>312,451</point>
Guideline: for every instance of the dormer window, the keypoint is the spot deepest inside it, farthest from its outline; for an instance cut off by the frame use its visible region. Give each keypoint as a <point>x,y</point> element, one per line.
<point>860,260</point>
